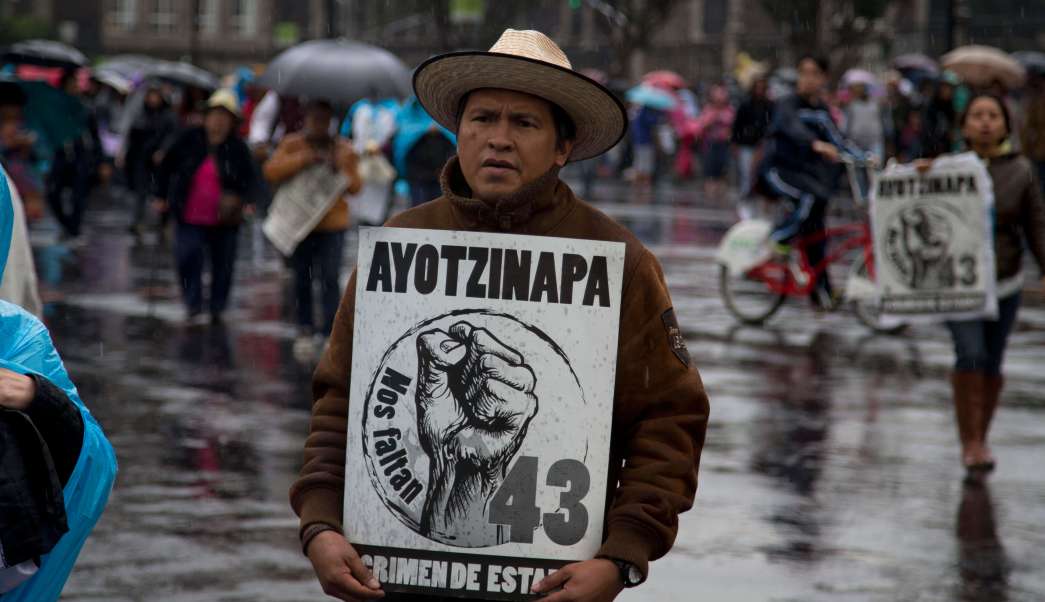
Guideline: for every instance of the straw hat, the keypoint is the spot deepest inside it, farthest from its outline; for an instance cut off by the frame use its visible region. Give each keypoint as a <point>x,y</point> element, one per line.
<point>529,62</point>
<point>224,99</point>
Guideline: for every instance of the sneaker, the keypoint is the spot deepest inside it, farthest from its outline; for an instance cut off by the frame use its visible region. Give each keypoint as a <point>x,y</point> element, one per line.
<point>195,318</point>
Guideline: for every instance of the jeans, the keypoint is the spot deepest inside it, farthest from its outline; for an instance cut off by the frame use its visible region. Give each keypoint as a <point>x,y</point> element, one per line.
<point>745,164</point>
<point>191,244</point>
<point>979,345</point>
<point>320,251</point>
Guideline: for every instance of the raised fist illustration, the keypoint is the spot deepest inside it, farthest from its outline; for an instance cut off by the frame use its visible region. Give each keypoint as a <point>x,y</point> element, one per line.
<point>474,403</point>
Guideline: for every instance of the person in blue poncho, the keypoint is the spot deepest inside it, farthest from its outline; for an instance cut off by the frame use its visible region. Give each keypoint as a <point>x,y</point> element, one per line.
<point>420,149</point>
<point>56,466</point>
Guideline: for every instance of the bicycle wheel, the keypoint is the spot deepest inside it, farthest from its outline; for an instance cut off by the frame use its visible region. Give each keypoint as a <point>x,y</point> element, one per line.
<point>749,299</point>
<point>868,309</point>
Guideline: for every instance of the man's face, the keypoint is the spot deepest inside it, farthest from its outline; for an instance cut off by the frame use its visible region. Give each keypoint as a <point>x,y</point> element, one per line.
<point>505,141</point>
<point>317,121</point>
<point>810,79</point>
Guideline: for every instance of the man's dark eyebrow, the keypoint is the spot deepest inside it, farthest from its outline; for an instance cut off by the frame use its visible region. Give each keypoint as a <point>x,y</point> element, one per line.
<point>526,115</point>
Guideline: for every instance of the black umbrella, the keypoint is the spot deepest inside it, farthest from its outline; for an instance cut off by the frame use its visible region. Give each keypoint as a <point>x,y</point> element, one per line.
<point>1032,60</point>
<point>184,74</point>
<point>45,53</point>
<point>340,71</point>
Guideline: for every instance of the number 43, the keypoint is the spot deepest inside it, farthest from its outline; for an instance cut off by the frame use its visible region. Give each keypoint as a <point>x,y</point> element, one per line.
<point>515,503</point>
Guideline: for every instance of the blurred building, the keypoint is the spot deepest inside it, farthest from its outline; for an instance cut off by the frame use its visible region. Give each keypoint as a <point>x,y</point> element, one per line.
<point>699,38</point>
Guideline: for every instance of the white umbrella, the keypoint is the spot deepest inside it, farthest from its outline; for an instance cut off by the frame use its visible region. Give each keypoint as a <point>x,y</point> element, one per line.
<point>981,66</point>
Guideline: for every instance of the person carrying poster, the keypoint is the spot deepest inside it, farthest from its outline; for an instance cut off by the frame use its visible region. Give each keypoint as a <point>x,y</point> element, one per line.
<point>312,232</point>
<point>1019,221</point>
<point>520,114</point>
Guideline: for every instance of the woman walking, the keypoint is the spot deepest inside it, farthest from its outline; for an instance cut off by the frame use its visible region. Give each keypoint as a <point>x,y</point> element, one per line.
<point>1019,221</point>
<point>203,181</point>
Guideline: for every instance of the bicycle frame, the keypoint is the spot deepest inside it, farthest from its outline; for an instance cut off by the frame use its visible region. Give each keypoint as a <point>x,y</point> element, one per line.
<point>778,275</point>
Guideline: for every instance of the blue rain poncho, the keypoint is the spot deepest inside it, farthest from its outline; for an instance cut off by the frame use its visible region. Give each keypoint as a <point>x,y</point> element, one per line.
<point>26,348</point>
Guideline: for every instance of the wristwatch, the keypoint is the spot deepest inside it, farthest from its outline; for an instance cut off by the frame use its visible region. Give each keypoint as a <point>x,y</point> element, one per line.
<point>630,575</point>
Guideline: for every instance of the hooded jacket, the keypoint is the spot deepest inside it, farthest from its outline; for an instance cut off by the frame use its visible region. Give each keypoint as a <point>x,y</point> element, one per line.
<point>58,440</point>
<point>660,407</point>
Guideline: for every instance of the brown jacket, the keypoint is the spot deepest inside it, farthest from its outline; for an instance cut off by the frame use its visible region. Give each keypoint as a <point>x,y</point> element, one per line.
<point>291,157</point>
<point>1019,213</point>
<point>660,408</point>
<point>1032,134</point>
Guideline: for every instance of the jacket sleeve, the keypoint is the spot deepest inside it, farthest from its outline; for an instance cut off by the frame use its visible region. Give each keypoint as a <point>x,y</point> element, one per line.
<point>318,494</point>
<point>162,181</point>
<point>59,423</point>
<point>348,162</point>
<point>289,158</point>
<point>661,414</point>
<point>786,124</point>
<point>1034,218</point>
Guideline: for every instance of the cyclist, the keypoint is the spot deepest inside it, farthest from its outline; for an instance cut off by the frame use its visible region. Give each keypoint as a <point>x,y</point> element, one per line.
<point>799,165</point>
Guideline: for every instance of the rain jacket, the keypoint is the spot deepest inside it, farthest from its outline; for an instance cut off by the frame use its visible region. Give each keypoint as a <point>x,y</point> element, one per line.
<point>26,348</point>
<point>660,407</point>
<point>412,124</point>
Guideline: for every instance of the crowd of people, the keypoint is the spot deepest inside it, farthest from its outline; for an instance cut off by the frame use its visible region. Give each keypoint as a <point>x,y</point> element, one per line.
<point>192,163</point>
<point>899,115</point>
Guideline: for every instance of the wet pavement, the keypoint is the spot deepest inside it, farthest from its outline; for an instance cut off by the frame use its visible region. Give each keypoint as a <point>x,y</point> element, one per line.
<point>830,472</point>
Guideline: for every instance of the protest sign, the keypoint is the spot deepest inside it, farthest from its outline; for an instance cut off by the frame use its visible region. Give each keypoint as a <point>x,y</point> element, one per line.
<point>480,407</point>
<point>933,241</point>
<point>300,204</point>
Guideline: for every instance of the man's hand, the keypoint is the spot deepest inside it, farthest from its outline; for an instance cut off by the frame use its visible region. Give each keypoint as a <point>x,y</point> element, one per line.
<point>589,581</point>
<point>826,150</point>
<point>16,390</point>
<point>157,157</point>
<point>340,570</point>
<point>160,205</point>
<point>475,400</point>
<point>342,153</point>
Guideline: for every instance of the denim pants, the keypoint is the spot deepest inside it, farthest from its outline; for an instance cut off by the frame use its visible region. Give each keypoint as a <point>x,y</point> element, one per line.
<point>318,255</point>
<point>191,244</point>
<point>745,165</point>
<point>979,345</point>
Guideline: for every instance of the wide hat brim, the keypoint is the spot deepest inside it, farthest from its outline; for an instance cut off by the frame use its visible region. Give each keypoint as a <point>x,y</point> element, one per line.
<point>600,118</point>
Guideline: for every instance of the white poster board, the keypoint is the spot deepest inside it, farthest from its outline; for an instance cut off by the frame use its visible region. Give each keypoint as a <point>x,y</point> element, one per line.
<point>300,204</point>
<point>934,242</point>
<point>481,401</point>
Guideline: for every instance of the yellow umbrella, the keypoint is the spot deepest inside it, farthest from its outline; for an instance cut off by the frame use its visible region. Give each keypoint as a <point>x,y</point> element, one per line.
<point>983,65</point>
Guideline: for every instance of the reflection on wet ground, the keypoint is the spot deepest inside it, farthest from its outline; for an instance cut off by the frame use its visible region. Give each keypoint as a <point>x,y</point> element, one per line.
<point>830,471</point>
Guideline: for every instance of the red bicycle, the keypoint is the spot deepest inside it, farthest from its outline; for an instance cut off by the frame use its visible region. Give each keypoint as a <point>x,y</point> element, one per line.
<point>754,283</point>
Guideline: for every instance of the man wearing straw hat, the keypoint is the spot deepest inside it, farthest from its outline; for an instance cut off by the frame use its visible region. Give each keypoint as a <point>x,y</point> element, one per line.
<point>521,113</point>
